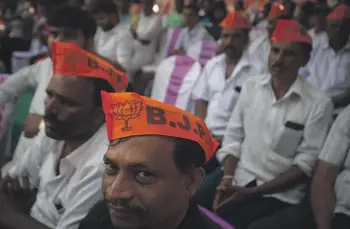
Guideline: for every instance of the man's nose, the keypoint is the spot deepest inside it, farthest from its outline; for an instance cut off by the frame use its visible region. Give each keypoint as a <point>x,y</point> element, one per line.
<point>119,189</point>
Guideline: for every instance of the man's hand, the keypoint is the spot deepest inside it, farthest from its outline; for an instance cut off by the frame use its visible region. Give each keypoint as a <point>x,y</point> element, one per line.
<point>31,125</point>
<point>20,197</point>
<point>222,192</point>
<point>237,195</point>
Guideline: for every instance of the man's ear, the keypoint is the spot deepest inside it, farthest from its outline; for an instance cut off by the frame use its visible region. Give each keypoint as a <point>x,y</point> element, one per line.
<point>194,179</point>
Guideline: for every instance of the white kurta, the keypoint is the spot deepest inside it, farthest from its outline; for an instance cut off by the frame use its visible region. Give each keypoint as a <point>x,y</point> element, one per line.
<point>222,93</point>
<point>64,200</point>
<point>115,45</point>
<point>188,37</point>
<point>336,152</point>
<point>269,136</point>
<point>148,28</point>
<point>260,48</point>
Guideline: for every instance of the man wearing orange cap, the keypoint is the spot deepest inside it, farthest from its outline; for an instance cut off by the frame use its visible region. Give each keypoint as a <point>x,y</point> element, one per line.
<point>260,46</point>
<point>329,67</point>
<point>219,85</point>
<point>153,166</point>
<point>64,164</point>
<point>274,136</point>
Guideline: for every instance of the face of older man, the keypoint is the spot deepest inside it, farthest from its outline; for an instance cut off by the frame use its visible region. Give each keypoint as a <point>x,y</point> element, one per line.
<point>142,185</point>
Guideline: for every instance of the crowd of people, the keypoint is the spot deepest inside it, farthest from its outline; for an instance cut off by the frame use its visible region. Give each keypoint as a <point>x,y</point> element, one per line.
<point>262,142</point>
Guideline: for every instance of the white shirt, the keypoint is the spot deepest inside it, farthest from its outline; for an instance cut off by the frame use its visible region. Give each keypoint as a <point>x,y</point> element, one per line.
<point>328,70</point>
<point>115,44</point>
<point>317,37</point>
<point>222,93</point>
<point>35,77</point>
<point>336,151</point>
<point>76,189</point>
<point>260,48</point>
<point>188,37</point>
<point>148,28</point>
<point>258,133</point>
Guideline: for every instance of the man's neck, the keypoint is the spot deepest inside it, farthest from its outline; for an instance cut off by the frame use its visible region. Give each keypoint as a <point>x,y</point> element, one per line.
<point>338,45</point>
<point>234,59</point>
<point>281,86</point>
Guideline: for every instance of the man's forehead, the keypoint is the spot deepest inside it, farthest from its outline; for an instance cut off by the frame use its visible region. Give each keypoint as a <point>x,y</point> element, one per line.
<point>283,45</point>
<point>148,150</point>
<point>69,82</point>
<point>232,31</point>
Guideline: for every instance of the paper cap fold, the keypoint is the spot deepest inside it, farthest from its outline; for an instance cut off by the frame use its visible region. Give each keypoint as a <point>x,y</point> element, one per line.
<point>340,12</point>
<point>69,59</point>
<point>129,114</point>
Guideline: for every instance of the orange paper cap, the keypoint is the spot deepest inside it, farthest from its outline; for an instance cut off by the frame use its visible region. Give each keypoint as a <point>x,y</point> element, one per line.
<point>290,31</point>
<point>69,59</point>
<point>341,12</point>
<point>275,11</point>
<point>129,114</point>
<point>235,20</point>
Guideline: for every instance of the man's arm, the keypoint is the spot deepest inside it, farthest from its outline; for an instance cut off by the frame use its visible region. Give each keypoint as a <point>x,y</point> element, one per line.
<point>124,51</point>
<point>323,202</point>
<point>17,84</point>
<point>14,220</point>
<point>315,132</point>
<point>331,159</point>
<point>201,109</point>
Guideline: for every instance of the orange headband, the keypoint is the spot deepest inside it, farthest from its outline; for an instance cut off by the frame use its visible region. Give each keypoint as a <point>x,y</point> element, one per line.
<point>290,31</point>
<point>69,59</point>
<point>129,114</point>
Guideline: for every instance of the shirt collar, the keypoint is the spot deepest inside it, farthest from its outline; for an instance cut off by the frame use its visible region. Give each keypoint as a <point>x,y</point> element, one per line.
<point>244,61</point>
<point>296,88</point>
<point>78,155</point>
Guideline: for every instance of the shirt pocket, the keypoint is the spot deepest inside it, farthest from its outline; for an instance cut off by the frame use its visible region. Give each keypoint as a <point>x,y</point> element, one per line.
<point>289,139</point>
<point>229,99</point>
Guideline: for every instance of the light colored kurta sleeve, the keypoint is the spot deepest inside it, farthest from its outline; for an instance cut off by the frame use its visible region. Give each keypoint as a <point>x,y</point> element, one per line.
<point>29,164</point>
<point>315,133</point>
<point>86,193</point>
<point>153,31</point>
<point>201,88</point>
<point>124,50</point>
<point>234,134</point>
<point>17,84</point>
<point>336,147</point>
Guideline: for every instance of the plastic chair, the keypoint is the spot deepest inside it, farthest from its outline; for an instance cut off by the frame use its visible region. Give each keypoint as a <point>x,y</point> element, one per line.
<point>203,51</point>
<point>174,80</point>
<point>216,219</point>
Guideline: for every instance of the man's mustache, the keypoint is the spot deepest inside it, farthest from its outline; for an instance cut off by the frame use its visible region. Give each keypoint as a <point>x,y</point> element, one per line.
<point>123,205</point>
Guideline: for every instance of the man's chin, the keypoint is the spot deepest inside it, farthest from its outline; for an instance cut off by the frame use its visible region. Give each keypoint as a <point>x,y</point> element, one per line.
<point>51,133</point>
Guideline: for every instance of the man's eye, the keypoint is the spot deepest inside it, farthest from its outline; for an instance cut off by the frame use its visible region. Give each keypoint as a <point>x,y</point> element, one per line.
<point>144,177</point>
<point>110,169</point>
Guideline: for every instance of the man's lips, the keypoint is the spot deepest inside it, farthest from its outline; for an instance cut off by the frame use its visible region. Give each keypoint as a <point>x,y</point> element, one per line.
<point>121,213</point>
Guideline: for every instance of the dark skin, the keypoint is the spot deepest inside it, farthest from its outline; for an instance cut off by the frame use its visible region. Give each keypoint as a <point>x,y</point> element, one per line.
<point>71,116</point>
<point>32,122</point>
<point>338,32</point>
<point>233,42</point>
<point>285,59</point>
<point>138,186</point>
<point>323,203</point>
<point>106,20</point>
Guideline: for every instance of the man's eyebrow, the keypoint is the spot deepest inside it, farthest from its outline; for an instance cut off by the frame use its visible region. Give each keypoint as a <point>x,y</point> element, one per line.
<point>108,160</point>
<point>61,96</point>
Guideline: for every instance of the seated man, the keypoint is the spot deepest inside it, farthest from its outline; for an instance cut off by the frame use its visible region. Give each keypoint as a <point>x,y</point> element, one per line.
<point>260,46</point>
<point>67,23</point>
<point>330,196</point>
<point>113,40</point>
<point>64,164</point>
<point>152,166</point>
<point>219,86</point>
<point>329,67</point>
<point>193,32</point>
<point>274,135</point>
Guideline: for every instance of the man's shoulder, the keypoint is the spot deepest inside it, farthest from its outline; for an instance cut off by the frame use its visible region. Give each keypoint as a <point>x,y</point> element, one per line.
<point>316,95</point>
<point>215,60</point>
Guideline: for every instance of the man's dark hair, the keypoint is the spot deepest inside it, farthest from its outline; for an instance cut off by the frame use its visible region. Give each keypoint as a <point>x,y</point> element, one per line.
<point>103,6</point>
<point>293,6</point>
<point>306,48</point>
<point>187,154</point>
<point>99,85</point>
<point>73,17</point>
<point>192,7</point>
